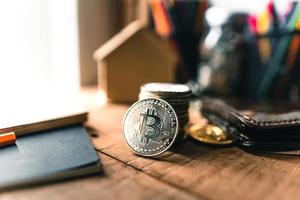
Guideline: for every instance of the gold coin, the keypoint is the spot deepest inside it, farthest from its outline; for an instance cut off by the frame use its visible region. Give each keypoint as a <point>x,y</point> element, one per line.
<point>209,134</point>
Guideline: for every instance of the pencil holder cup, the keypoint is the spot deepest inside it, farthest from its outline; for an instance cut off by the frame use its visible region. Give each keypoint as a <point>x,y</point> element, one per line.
<point>272,66</point>
<point>251,66</point>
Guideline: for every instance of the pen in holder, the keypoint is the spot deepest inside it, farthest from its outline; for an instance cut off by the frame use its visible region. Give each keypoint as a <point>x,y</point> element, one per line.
<point>181,23</point>
<point>273,65</point>
<point>259,60</point>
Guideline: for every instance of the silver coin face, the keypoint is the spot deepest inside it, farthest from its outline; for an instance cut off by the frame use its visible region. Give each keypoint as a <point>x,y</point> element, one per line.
<point>150,127</point>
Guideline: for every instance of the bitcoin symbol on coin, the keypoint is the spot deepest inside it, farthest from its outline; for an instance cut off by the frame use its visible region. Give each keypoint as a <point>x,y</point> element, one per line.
<point>149,128</point>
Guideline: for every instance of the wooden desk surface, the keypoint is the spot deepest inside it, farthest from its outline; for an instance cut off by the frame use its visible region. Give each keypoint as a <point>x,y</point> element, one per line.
<point>190,171</point>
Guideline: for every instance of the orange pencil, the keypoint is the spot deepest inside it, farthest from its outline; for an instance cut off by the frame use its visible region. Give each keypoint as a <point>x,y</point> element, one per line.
<point>294,46</point>
<point>7,139</point>
<point>162,22</point>
<point>264,44</point>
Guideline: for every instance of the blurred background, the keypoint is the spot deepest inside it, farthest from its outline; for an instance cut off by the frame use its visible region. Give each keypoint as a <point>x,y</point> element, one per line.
<point>212,45</point>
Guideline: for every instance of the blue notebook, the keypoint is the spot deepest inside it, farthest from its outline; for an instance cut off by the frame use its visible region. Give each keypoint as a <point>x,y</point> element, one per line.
<point>48,156</point>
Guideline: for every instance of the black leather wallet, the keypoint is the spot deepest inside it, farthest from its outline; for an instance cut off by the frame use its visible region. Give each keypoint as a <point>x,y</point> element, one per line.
<point>274,132</point>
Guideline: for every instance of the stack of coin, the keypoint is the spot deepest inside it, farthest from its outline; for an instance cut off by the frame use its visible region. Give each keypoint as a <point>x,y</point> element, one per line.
<point>177,95</point>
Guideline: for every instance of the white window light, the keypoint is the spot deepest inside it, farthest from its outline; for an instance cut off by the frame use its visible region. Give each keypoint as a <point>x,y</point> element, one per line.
<point>38,46</point>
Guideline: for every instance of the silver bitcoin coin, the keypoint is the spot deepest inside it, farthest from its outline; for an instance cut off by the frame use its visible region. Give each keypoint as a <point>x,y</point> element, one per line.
<point>150,127</point>
<point>177,95</point>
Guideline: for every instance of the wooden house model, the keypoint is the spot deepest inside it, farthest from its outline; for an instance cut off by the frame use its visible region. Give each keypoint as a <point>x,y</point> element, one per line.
<point>131,58</point>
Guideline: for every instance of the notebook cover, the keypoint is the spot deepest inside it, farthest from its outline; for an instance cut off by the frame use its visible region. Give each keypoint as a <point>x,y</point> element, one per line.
<point>49,155</point>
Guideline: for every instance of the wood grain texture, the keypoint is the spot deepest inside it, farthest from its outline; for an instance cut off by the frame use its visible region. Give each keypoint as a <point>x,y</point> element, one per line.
<point>209,172</point>
<point>189,171</point>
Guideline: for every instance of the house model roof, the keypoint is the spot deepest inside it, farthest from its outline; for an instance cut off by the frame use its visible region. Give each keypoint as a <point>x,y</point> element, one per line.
<point>117,40</point>
<point>134,29</point>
